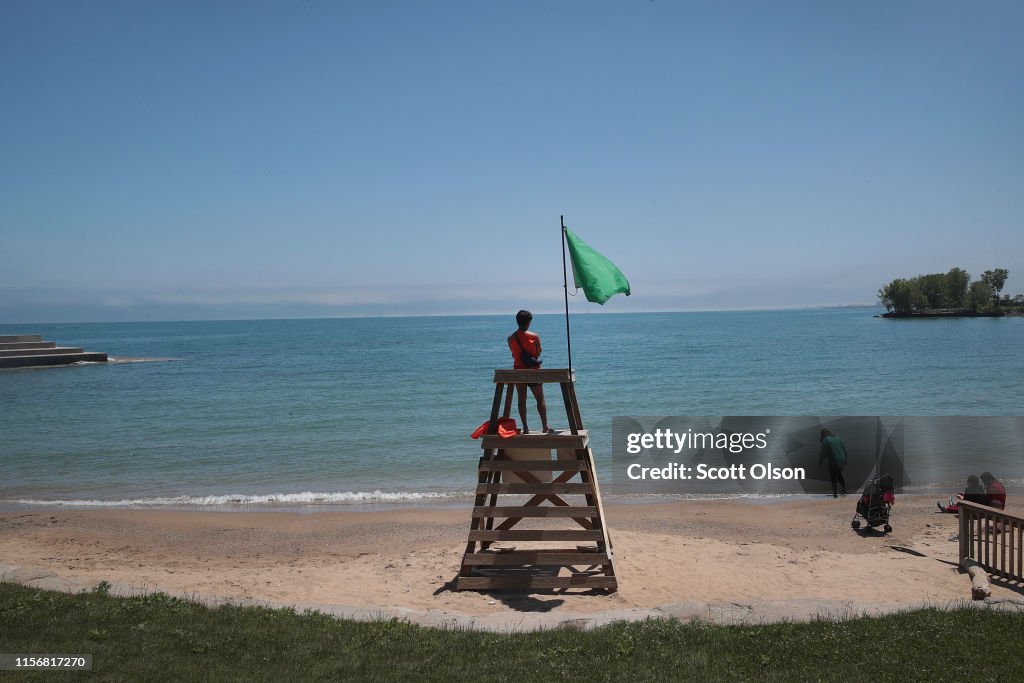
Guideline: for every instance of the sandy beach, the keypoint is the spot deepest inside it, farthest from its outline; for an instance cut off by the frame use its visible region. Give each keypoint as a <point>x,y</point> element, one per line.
<point>692,559</point>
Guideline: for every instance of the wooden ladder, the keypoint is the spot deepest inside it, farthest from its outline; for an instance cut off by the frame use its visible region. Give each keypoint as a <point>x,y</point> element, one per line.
<point>590,563</point>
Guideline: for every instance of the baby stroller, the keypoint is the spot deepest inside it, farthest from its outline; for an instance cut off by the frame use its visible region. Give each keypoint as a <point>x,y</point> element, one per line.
<point>875,503</point>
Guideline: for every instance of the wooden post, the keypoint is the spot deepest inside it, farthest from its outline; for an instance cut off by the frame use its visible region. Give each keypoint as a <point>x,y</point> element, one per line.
<point>980,586</point>
<point>964,534</point>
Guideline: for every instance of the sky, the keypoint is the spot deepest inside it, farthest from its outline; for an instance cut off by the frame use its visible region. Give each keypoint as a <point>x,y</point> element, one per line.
<point>173,160</point>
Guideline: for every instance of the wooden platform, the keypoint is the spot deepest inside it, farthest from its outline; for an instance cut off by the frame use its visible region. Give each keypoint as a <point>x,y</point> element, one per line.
<point>552,376</point>
<point>548,483</point>
<point>559,439</point>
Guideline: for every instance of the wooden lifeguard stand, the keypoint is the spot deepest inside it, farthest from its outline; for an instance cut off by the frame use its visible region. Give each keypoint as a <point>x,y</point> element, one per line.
<point>522,466</point>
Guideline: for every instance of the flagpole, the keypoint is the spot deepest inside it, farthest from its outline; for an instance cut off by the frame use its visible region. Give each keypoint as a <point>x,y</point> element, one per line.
<point>565,286</point>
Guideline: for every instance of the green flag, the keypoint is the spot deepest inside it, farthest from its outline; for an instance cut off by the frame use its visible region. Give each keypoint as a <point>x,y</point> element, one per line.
<point>594,274</point>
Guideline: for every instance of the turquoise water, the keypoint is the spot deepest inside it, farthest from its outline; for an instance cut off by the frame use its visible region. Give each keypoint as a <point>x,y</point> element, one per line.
<point>380,409</point>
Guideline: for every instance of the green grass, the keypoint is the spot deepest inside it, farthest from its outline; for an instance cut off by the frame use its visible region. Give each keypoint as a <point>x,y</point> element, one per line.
<point>157,638</point>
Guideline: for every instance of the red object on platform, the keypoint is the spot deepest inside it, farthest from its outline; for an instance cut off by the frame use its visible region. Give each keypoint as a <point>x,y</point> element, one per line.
<point>506,428</point>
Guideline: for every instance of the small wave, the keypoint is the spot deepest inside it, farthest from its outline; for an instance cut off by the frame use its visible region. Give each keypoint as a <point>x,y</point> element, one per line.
<point>305,498</point>
<point>664,497</point>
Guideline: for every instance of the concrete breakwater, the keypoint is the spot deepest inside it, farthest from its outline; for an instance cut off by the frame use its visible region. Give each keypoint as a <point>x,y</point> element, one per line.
<point>30,350</point>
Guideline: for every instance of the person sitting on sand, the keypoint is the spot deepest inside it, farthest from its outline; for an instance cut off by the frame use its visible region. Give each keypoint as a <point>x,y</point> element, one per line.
<point>995,491</point>
<point>526,350</point>
<point>973,493</point>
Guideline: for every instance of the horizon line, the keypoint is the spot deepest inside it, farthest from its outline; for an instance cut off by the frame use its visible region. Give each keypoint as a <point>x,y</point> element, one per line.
<point>450,315</point>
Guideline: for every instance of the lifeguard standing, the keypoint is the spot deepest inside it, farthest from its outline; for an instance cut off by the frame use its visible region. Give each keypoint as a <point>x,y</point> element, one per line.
<point>526,349</point>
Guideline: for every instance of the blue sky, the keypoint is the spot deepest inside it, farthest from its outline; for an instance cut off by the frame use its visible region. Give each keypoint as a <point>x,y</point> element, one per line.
<point>188,160</point>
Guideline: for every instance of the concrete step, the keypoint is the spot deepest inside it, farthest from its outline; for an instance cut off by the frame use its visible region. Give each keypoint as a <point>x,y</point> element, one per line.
<point>53,359</point>
<point>8,346</point>
<point>41,352</point>
<point>15,338</point>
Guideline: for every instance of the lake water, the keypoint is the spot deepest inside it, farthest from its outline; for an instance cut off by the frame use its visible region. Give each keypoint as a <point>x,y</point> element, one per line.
<point>379,410</point>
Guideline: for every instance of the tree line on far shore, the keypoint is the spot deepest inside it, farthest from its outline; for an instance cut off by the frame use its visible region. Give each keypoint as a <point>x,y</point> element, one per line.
<point>952,291</point>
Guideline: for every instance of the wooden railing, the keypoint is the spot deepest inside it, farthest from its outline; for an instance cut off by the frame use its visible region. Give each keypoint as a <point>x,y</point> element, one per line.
<point>992,538</point>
